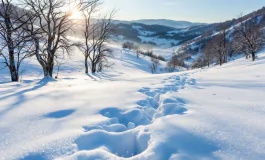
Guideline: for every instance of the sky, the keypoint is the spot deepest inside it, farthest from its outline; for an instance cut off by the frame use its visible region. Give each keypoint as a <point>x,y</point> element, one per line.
<point>206,11</point>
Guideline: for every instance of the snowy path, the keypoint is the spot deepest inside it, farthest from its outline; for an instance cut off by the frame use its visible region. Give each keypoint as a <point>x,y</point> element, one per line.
<point>117,132</point>
<point>126,133</point>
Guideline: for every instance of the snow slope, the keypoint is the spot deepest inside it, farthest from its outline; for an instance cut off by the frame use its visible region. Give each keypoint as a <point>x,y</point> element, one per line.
<point>161,42</point>
<point>167,53</point>
<point>128,113</point>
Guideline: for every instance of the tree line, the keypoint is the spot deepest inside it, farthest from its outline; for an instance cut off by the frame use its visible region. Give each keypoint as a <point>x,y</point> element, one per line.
<point>42,28</point>
<point>246,37</point>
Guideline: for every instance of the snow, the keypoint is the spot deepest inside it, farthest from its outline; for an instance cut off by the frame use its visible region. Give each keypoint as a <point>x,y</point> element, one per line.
<point>167,53</point>
<point>146,37</point>
<point>128,113</point>
<point>161,42</point>
<point>142,32</point>
<point>193,58</point>
<point>172,33</point>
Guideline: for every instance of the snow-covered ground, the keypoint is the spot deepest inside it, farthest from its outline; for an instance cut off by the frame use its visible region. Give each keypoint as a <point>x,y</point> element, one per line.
<point>128,113</point>
<point>161,42</point>
<point>141,31</point>
<point>167,53</point>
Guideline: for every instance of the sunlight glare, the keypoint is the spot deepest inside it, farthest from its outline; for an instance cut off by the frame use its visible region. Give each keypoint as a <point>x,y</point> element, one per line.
<point>76,14</point>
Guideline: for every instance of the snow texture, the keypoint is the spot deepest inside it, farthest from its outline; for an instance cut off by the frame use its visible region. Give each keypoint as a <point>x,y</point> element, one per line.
<point>128,113</point>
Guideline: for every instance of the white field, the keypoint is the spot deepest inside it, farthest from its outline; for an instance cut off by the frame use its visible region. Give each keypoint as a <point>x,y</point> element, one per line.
<point>129,113</point>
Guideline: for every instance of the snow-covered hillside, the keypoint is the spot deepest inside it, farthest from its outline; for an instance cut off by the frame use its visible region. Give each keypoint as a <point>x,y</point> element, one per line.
<point>194,48</point>
<point>156,35</point>
<point>129,113</point>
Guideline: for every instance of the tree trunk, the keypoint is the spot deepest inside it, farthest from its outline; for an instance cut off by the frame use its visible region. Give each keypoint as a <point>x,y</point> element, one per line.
<point>221,61</point>
<point>86,65</point>
<point>38,56</point>
<point>48,71</point>
<point>45,71</point>
<point>253,56</point>
<point>10,44</point>
<point>12,67</point>
<point>50,64</point>
<point>94,67</point>
<point>13,73</point>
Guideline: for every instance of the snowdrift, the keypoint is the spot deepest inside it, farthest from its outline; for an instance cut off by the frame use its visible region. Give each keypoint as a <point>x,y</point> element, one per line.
<point>129,113</point>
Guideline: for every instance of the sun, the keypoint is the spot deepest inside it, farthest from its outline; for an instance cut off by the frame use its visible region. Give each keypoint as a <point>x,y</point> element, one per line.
<point>76,14</point>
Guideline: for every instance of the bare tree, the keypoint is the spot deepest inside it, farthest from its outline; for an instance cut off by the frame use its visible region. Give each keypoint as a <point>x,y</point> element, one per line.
<point>249,38</point>
<point>96,36</point>
<point>15,43</point>
<point>137,51</point>
<point>103,62</point>
<point>208,54</point>
<point>54,23</point>
<point>128,45</point>
<point>199,63</point>
<point>87,48</point>
<point>215,47</point>
<point>174,63</point>
<point>154,65</point>
<point>224,47</point>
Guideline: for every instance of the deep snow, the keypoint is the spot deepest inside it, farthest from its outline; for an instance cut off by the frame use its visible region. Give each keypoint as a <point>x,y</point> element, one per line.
<point>128,113</point>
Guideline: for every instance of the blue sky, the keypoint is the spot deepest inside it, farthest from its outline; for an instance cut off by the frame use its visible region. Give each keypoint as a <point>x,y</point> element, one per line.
<point>190,10</point>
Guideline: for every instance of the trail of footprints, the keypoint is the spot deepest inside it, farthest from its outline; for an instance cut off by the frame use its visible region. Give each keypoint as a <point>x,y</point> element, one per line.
<point>119,135</point>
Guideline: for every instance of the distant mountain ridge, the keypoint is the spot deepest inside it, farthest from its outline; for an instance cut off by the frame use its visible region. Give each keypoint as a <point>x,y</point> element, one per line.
<point>169,23</point>
<point>158,32</point>
<point>163,22</point>
<point>156,35</point>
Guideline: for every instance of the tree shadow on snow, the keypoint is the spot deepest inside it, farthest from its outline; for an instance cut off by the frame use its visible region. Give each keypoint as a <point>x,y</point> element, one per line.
<point>20,97</point>
<point>91,76</point>
<point>60,114</point>
<point>106,76</point>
